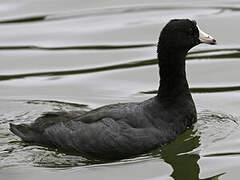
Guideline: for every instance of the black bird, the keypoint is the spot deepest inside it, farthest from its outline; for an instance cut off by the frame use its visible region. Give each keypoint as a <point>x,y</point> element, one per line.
<point>127,129</point>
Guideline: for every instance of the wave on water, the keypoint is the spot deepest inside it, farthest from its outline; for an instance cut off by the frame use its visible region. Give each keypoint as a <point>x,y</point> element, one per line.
<point>216,54</point>
<point>107,11</point>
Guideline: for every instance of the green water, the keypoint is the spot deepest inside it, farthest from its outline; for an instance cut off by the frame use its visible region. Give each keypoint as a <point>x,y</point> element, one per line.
<point>74,55</point>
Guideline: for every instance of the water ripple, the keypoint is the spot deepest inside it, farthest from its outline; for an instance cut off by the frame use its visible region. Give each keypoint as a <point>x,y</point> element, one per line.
<point>204,89</point>
<point>133,64</point>
<point>108,11</point>
<point>82,47</point>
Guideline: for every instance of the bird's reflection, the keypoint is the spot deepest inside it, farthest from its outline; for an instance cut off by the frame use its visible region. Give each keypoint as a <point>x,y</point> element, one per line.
<point>180,155</point>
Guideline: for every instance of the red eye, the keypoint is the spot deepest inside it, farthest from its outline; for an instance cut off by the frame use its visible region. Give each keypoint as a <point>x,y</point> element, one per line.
<point>190,31</point>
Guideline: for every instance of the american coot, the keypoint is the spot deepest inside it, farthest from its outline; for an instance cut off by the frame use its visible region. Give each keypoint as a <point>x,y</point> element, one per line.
<point>126,129</point>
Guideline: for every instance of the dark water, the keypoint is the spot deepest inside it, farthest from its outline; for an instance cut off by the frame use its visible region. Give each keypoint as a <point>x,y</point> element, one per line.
<point>73,55</point>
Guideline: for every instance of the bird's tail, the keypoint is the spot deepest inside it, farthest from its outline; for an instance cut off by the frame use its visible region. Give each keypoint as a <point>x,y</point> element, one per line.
<point>24,132</point>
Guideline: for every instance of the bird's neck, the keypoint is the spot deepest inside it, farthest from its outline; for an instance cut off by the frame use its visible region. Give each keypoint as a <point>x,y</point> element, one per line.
<point>173,80</point>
